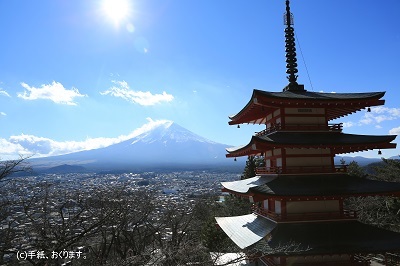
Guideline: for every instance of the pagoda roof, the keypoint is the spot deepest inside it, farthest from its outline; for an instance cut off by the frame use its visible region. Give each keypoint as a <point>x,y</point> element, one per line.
<point>246,230</point>
<point>243,186</point>
<point>317,238</point>
<point>324,96</point>
<point>312,185</point>
<point>258,234</point>
<point>340,104</point>
<point>339,142</point>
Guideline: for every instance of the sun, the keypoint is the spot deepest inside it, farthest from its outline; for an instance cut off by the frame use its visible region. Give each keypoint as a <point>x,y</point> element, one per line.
<point>116,10</point>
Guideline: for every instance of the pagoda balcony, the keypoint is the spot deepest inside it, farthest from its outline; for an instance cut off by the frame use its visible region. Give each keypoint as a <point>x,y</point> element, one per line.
<point>270,262</point>
<point>341,168</point>
<point>309,216</point>
<point>302,127</point>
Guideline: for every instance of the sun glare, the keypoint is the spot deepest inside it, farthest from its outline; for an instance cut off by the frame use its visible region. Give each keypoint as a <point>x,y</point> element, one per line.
<point>116,10</point>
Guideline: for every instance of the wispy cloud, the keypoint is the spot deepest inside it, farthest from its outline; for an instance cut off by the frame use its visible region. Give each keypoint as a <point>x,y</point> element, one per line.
<point>380,114</point>
<point>348,124</point>
<point>121,90</point>
<point>42,147</point>
<point>376,116</point>
<point>10,150</point>
<point>330,92</point>
<point>395,131</point>
<point>54,92</point>
<point>4,93</point>
<point>2,114</point>
<point>151,124</point>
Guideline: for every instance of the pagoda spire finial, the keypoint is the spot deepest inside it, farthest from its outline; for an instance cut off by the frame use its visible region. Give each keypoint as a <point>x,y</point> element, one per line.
<point>291,60</point>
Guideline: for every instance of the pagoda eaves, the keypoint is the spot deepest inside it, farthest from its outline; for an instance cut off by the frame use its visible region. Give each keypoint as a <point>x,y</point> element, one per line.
<point>300,216</point>
<point>345,237</point>
<point>309,187</point>
<point>336,104</point>
<point>337,142</point>
<point>259,234</point>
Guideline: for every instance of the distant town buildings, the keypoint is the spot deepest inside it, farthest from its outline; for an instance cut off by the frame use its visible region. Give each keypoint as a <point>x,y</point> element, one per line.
<point>173,188</point>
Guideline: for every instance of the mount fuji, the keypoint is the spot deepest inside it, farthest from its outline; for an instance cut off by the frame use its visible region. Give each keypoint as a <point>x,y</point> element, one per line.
<point>167,146</point>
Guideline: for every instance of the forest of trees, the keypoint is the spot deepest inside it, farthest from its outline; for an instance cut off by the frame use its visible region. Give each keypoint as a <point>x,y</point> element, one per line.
<point>112,226</point>
<point>381,211</point>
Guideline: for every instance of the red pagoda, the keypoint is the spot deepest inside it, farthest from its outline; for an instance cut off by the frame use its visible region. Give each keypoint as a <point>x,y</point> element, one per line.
<point>298,216</point>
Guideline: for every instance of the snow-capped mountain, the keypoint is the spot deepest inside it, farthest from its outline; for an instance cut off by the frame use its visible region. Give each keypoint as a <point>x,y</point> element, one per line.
<point>169,132</point>
<point>168,145</point>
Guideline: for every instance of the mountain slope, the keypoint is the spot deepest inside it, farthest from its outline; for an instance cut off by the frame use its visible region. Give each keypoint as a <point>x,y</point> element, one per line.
<point>167,145</point>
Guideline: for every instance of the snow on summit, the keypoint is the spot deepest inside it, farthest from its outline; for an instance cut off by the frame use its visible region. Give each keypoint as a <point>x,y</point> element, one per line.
<point>168,131</point>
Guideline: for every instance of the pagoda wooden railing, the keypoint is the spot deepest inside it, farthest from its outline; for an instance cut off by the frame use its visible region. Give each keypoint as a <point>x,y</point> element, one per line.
<point>392,259</point>
<point>341,168</point>
<point>302,127</point>
<point>268,170</point>
<point>271,262</point>
<point>345,215</point>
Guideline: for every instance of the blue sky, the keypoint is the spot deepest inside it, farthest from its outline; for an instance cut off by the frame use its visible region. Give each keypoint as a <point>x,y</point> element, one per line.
<point>73,77</point>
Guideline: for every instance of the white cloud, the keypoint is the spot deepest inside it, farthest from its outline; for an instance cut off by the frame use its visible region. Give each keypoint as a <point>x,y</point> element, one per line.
<point>348,124</point>
<point>395,131</point>
<point>379,114</point>
<point>383,110</point>
<point>54,92</point>
<point>151,124</point>
<point>42,147</point>
<point>2,114</point>
<point>4,93</point>
<point>11,150</point>
<point>122,90</point>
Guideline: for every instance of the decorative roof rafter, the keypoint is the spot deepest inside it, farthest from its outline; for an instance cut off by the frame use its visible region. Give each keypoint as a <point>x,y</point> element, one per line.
<point>310,187</point>
<point>337,104</point>
<point>338,142</point>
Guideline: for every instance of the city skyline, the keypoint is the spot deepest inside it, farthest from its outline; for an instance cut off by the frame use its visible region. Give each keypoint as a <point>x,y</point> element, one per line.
<point>85,74</point>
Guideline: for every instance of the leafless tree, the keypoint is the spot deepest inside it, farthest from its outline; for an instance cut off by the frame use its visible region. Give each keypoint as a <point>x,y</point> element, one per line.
<point>382,211</point>
<point>7,201</point>
<point>128,230</point>
<point>10,167</point>
<point>50,219</point>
